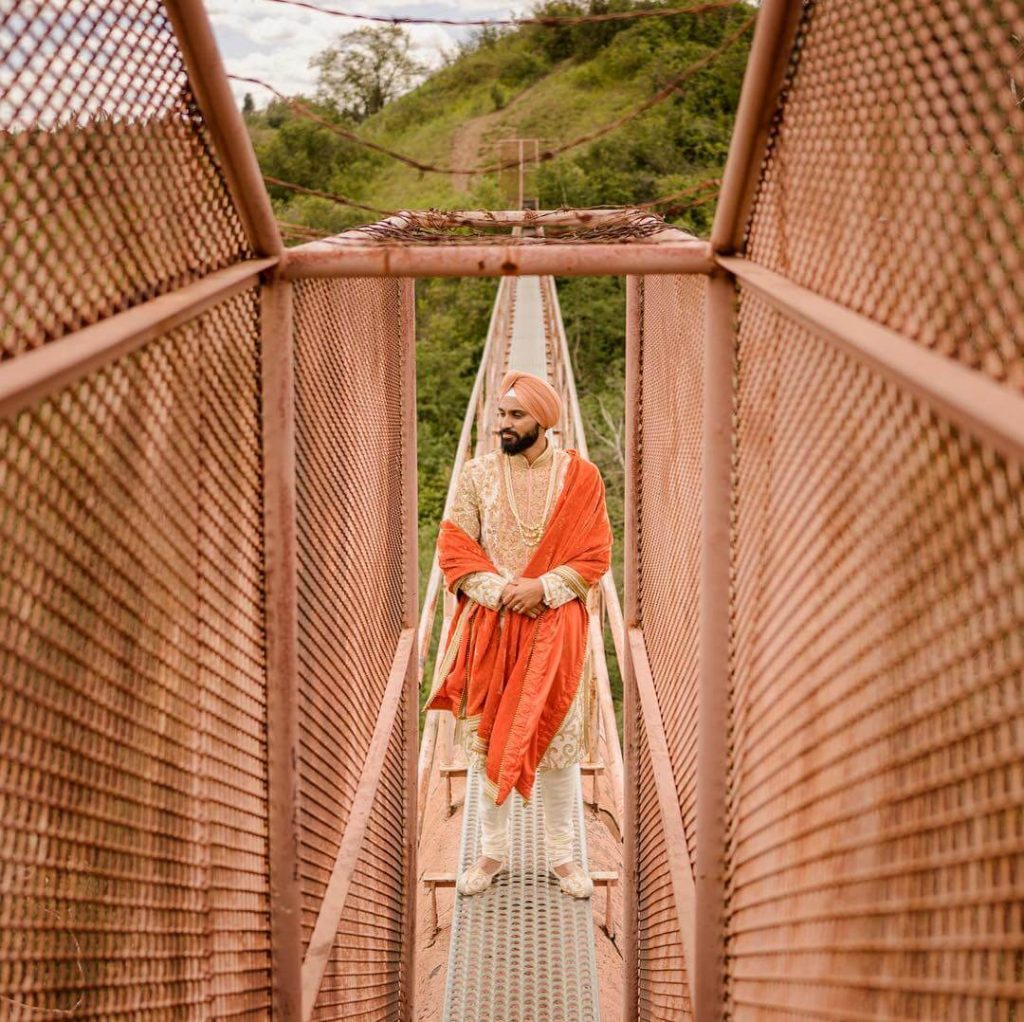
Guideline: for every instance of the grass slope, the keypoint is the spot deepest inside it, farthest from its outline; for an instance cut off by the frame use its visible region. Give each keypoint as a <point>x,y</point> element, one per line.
<point>554,85</point>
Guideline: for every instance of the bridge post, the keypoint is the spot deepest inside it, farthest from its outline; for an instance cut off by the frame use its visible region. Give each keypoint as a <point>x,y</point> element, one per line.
<point>201,56</point>
<point>630,708</point>
<point>773,39</point>
<point>712,736</point>
<point>411,620</point>
<point>280,551</point>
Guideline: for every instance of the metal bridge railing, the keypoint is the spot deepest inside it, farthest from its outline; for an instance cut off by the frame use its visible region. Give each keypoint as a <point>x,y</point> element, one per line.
<point>825,591</point>
<point>207,557</point>
<point>208,614</point>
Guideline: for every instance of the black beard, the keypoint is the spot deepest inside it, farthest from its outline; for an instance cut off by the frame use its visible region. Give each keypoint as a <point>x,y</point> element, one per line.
<point>520,443</point>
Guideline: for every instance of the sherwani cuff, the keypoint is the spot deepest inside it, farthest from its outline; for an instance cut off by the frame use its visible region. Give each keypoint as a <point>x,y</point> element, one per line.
<point>483,586</point>
<point>573,581</point>
<point>556,592</point>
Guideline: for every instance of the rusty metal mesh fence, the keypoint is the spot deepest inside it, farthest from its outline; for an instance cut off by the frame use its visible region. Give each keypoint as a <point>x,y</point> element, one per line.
<point>668,514</point>
<point>133,857</point>
<point>892,177</point>
<point>364,978</point>
<point>349,373</point>
<point>875,834</point>
<point>878,711</point>
<point>134,780</point>
<point>669,359</point>
<point>663,987</point>
<point>109,190</point>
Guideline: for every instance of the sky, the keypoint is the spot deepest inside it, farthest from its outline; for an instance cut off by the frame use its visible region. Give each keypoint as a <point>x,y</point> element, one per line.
<point>274,42</point>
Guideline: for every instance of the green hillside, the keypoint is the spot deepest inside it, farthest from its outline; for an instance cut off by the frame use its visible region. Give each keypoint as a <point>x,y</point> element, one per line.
<point>555,84</point>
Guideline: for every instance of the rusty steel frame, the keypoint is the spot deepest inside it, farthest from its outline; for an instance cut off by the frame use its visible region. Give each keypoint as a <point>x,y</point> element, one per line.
<point>351,255</point>
<point>410,531</point>
<point>975,402</point>
<point>541,217</point>
<point>683,886</point>
<point>766,67</point>
<point>321,943</point>
<point>713,697</point>
<point>401,694</point>
<point>630,865</point>
<point>613,621</point>
<point>282,659</point>
<point>44,370</point>
<point>209,80</point>
<point>991,412</point>
<point>773,38</point>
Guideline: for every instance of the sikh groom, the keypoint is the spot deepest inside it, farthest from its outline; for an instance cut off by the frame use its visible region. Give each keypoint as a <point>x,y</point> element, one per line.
<point>526,539</point>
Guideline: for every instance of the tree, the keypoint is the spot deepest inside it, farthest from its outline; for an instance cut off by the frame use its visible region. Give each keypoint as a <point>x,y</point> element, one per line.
<point>248,106</point>
<point>365,69</point>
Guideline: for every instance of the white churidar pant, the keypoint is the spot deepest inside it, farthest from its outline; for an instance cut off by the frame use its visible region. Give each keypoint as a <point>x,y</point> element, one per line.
<point>557,788</point>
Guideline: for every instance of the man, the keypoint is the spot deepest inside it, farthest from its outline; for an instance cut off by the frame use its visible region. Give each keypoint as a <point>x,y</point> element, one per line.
<point>526,539</point>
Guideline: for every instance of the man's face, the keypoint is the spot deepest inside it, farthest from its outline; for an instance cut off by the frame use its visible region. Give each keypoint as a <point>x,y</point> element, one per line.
<point>518,430</point>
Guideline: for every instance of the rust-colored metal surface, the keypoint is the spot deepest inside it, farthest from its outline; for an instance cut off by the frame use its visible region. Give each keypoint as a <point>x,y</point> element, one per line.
<point>859,584</point>
<point>351,355</point>
<point>875,783</point>
<point>669,503</point>
<point>280,576</point>
<point>663,575</point>
<point>207,504</point>
<point>428,245</point>
<point>134,803</point>
<point>112,193</point>
<point>876,735</point>
<point>207,540</point>
<point>891,179</point>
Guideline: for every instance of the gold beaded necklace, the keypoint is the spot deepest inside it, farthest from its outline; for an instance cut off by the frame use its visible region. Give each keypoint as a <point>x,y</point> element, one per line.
<point>530,533</point>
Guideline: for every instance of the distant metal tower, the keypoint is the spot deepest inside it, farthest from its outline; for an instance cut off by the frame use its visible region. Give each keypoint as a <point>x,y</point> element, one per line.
<point>518,159</point>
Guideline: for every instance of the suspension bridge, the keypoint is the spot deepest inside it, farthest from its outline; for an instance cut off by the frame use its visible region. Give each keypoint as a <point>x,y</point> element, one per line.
<point>216,798</point>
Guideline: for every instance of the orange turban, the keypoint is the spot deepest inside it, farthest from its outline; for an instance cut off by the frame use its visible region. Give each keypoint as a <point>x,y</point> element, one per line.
<point>538,398</point>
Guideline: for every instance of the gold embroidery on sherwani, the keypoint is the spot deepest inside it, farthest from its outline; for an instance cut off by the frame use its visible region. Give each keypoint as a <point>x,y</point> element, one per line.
<point>449,657</point>
<point>481,509</point>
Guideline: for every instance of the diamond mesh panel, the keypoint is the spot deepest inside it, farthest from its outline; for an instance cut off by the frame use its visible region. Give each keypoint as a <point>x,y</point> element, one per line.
<point>663,987</point>
<point>878,665</point>
<point>892,181</point>
<point>349,445</point>
<point>133,859</point>
<point>363,979</point>
<point>669,515</point>
<point>110,193</point>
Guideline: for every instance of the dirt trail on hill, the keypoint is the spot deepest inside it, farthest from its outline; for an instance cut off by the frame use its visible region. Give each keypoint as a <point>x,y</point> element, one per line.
<point>468,148</point>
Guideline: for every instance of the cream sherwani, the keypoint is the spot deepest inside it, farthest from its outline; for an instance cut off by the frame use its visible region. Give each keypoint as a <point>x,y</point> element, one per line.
<point>481,508</point>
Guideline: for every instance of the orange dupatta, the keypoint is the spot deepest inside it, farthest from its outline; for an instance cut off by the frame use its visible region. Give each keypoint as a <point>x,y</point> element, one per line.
<point>519,674</point>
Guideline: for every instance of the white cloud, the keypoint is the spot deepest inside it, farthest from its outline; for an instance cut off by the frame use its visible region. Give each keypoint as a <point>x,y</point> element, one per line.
<point>274,42</point>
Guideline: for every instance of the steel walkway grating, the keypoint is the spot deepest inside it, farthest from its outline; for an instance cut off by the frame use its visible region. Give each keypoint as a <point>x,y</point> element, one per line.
<point>528,349</point>
<point>522,951</point>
